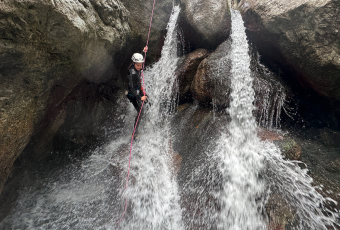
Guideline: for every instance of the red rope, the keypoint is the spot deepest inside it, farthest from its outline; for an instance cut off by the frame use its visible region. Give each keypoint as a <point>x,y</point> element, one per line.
<point>147,41</point>
<point>127,179</point>
<point>133,134</point>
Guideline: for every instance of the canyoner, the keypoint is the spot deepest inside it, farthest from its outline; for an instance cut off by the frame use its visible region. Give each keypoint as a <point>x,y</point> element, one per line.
<point>159,76</point>
<point>138,94</point>
<point>153,189</point>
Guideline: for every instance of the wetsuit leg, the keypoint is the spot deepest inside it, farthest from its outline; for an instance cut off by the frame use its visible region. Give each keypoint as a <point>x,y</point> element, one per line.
<point>137,106</point>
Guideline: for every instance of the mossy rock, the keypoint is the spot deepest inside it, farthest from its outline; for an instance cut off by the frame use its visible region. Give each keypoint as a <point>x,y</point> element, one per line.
<point>290,148</point>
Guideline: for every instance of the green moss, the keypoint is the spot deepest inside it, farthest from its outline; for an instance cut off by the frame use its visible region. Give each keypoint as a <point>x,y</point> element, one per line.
<point>288,145</point>
<point>290,149</point>
<point>228,8</point>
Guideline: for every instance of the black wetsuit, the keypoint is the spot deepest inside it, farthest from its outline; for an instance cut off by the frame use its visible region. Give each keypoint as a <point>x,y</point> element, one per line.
<point>135,92</point>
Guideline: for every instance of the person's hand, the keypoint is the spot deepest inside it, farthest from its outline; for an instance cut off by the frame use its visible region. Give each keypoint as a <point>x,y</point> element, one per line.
<point>145,49</point>
<point>144,98</point>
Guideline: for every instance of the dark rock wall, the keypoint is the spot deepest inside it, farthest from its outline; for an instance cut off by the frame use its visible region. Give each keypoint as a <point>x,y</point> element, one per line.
<point>139,21</point>
<point>299,41</point>
<point>305,33</point>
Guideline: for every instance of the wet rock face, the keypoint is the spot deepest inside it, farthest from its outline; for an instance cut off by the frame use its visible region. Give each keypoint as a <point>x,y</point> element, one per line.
<point>330,137</point>
<point>280,214</point>
<point>211,85</point>
<point>139,21</point>
<point>187,71</point>
<point>195,129</point>
<point>48,48</point>
<point>306,33</point>
<point>212,82</point>
<point>206,23</point>
<point>271,94</point>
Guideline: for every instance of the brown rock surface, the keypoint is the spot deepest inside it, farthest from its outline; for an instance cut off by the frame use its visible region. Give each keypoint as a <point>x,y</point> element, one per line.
<point>280,213</point>
<point>187,70</point>
<point>266,135</point>
<point>212,80</point>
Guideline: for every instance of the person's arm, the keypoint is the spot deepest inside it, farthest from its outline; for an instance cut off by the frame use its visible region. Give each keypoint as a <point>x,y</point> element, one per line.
<point>143,95</point>
<point>145,49</point>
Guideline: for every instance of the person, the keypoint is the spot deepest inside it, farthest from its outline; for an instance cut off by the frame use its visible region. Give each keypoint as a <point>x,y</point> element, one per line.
<point>135,92</point>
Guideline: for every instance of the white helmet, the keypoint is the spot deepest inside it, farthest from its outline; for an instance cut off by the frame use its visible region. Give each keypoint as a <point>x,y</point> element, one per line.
<point>137,58</point>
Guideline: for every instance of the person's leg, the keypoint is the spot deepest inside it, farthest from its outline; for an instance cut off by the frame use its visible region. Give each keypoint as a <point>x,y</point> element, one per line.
<point>137,106</point>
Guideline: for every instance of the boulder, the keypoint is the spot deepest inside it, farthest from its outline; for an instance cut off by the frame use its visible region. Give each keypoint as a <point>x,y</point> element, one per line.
<point>212,82</point>
<point>266,135</point>
<point>212,85</point>
<point>187,71</point>
<point>205,23</point>
<point>290,149</point>
<point>302,34</point>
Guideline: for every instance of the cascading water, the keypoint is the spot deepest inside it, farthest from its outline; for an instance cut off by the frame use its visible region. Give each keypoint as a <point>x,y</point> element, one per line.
<point>84,195</point>
<point>226,182</point>
<point>224,178</point>
<point>244,158</point>
<point>271,95</point>
<point>153,193</point>
<point>227,188</point>
<point>239,153</point>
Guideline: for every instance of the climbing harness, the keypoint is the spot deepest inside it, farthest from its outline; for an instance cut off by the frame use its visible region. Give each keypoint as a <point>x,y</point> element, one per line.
<point>133,134</point>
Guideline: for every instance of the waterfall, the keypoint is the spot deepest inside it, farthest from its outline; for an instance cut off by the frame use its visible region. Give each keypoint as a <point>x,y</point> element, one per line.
<point>229,184</point>
<point>238,154</point>
<point>253,170</point>
<point>271,95</point>
<point>231,177</point>
<point>153,193</point>
<point>89,193</point>
<point>222,189</point>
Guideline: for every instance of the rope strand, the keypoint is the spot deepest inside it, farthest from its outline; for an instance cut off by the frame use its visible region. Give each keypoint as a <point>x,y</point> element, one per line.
<point>133,134</point>
<point>128,174</point>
